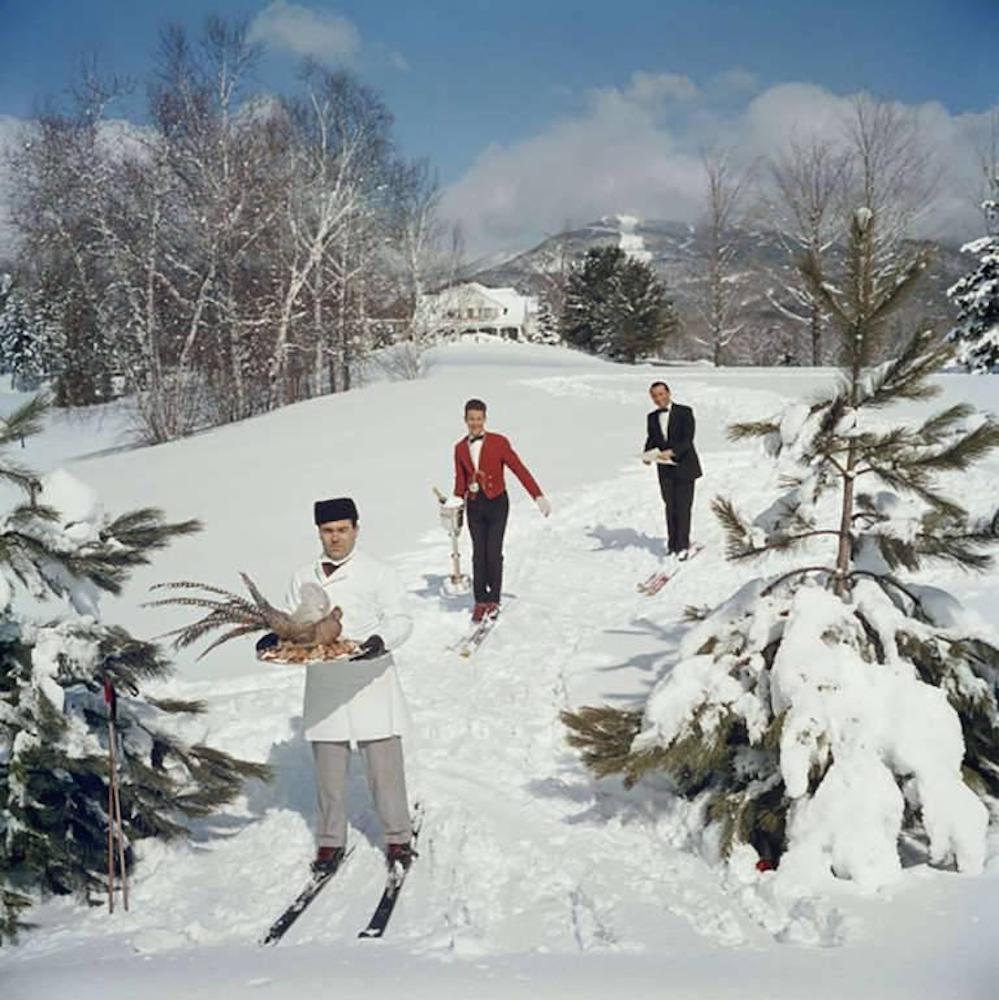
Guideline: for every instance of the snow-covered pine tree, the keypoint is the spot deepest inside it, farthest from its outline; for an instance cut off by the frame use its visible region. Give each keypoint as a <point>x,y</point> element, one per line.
<point>616,306</point>
<point>545,329</point>
<point>797,715</point>
<point>586,316</point>
<point>976,334</point>
<point>26,337</point>
<point>58,543</point>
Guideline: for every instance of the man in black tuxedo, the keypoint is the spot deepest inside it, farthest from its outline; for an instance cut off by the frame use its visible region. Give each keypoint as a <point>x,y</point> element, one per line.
<point>669,442</point>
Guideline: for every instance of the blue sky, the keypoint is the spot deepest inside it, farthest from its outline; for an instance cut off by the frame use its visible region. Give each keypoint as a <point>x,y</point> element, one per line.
<point>469,79</point>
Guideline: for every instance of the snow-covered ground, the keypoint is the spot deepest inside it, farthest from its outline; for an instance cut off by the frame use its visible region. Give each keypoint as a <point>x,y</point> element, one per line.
<point>533,878</point>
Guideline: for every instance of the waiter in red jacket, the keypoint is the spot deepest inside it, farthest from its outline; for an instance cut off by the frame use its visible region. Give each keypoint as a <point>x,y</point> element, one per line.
<point>479,460</point>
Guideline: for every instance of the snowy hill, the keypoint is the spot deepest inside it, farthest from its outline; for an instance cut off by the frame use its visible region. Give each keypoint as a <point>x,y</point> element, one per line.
<point>533,878</point>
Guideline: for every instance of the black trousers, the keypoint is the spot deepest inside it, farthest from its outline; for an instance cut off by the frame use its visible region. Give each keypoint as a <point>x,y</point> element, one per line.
<point>487,525</point>
<point>678,496</point>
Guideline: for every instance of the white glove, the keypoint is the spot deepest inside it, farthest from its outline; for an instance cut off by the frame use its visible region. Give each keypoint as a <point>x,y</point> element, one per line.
<point>544,505</point>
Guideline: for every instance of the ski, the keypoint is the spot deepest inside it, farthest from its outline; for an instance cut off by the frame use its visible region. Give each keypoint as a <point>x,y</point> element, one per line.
<point>654,583</point>
<point>471,641</point>
<point>393,886</point>
<point>476,637</point>
<point>312,889</point>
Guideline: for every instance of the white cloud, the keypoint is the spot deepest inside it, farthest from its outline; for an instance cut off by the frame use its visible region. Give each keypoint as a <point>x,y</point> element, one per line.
<point>654,88</point>
<point>613,158</point>
<point>299,29</point>
<point>733,83</point>
<point>636,150</point>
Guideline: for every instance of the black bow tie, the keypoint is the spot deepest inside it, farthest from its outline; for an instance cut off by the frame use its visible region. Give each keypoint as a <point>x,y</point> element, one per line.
<point>478,437</point>
<point>329,568</point>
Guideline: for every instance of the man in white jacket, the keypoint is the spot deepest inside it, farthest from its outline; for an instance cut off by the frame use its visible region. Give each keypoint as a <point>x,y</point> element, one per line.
<point>356,703</point>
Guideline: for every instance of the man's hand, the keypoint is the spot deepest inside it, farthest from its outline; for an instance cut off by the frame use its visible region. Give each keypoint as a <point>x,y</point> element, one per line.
<point>544,505</point>
<point>268,641</point>
<point>666,454</point>
<point>371,648</point>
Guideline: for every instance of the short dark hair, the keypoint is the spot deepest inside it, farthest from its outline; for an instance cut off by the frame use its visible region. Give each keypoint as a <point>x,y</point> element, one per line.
<point>663,384</point>
<point>475,404</point>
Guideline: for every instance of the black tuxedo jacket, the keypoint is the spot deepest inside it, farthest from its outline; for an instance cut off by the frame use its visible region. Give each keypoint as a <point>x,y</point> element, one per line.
<point>680,439</point>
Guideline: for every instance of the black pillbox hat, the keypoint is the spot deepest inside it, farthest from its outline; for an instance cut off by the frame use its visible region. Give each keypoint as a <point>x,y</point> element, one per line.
<point>338,509</point>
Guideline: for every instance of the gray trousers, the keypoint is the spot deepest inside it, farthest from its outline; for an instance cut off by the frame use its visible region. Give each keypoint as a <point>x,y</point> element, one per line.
<point>386,779</point>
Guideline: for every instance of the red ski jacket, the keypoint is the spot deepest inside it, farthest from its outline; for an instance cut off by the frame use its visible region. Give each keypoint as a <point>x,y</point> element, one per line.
<point>495,454</point>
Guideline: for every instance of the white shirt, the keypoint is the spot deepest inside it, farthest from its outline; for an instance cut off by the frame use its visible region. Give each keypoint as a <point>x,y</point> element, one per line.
<point>475,447</point>
<point>664,421</point>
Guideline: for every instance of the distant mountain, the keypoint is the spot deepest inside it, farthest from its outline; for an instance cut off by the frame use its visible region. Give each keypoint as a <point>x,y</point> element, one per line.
<point>670,248</point>
<point>669,244</point>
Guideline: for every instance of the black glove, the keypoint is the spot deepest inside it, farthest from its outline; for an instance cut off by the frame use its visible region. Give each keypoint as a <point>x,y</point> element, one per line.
<point>371,648</point>
<point>268,641</point>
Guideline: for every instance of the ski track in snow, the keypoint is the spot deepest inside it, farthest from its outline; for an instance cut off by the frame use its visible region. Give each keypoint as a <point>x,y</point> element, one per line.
<point>497,750</point>
<point>521,850</point>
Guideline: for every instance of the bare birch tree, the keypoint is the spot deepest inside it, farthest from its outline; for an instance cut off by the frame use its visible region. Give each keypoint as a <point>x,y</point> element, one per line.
<point>807,192</point>
<point>892,173</point>
<point>552,268</point>
<point>715,239</point>
<point>227,258</point>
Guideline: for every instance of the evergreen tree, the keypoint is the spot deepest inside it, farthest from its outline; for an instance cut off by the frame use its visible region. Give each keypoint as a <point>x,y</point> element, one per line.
<point>616,307</point>
<point>546,327</point>
<point>976,296</point>
<point>27,344</point>
<point>798,711</point>
<point>53,724</point>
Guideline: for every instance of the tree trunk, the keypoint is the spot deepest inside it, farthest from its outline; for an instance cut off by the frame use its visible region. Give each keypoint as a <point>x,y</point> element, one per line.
<point>849,475</point>
<point>846,524</point>
<point>317,333</point>
<point>815,326</point>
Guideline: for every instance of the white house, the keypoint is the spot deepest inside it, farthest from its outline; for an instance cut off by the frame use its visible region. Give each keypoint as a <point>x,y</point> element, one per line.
<point>474,308</point>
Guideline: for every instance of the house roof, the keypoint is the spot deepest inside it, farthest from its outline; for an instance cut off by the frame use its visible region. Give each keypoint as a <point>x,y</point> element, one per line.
<point>506,298</point>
